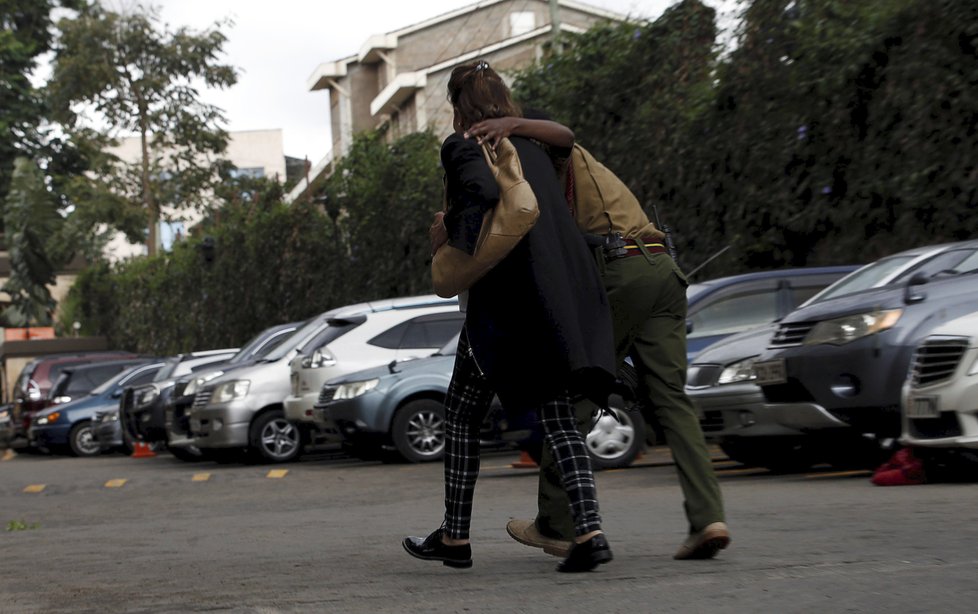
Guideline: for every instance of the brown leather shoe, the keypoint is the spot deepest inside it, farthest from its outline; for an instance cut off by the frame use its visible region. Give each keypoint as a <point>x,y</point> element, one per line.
<point>527,533</point>
<point>704,544</point>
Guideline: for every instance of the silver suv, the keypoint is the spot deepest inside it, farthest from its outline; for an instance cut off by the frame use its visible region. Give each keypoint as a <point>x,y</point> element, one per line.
<point>244,408</point>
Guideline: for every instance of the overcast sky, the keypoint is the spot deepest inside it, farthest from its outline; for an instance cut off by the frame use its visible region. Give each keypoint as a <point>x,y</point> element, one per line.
<point>277,45</point>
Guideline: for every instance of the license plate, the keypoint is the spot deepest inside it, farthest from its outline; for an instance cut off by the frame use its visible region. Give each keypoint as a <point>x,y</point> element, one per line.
<point>923,407</point>
<point>770,372</point>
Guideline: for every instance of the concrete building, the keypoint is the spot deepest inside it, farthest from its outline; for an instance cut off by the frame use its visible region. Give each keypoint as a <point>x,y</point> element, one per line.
<point>399,79</point>
<point>254,153</point>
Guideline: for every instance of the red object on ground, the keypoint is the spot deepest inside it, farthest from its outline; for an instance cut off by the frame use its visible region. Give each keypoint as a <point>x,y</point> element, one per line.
<point>903,469</point>
<point>525,462</point>
<point>142,450</point>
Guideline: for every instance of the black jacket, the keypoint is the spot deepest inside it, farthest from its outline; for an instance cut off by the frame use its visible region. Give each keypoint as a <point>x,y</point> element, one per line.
<point>538,323</point>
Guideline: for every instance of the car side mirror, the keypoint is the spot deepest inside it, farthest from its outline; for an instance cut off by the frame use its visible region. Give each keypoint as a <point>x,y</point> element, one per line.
<point>913,294</point>
<point>117,393</point>
<point>689,326</point>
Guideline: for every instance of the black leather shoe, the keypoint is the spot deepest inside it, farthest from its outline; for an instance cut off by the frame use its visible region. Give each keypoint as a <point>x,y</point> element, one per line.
<point>431,548</point>
<point>587,556</point>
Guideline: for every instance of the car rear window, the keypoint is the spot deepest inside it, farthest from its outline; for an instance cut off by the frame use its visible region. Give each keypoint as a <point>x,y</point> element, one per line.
<point>427,331</point>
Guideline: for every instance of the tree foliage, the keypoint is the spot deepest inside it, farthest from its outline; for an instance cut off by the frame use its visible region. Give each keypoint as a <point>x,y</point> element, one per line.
<point>30,219</point>
<point>272,263</point>
<point>130,73</point>
<point>833,131</point>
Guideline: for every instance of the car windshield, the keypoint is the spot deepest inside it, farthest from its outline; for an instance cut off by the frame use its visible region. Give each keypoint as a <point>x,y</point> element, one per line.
<point>261,345</point>
<point>952,262</point>
<point>294,340</point>
<point>112,381</point>
<point>867,277</point>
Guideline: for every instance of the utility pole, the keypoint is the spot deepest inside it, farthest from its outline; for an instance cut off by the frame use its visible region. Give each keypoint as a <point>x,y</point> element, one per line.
<point>555,24</point>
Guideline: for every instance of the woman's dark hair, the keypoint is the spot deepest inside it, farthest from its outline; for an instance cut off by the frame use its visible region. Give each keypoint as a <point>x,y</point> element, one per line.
<point>478,92</point>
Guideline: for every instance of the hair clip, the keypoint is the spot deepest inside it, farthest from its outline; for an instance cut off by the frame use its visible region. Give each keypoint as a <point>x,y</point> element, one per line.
<point>482,65</point>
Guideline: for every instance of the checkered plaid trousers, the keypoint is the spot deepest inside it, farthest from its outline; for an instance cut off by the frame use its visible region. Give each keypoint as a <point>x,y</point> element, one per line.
<point>469,397</point>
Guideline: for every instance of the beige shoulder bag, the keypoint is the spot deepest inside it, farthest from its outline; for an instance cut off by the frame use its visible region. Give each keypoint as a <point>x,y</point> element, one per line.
<point>503,226</point>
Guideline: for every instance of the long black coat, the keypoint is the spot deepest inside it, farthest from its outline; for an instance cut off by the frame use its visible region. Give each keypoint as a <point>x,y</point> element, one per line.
<point>539,322</point>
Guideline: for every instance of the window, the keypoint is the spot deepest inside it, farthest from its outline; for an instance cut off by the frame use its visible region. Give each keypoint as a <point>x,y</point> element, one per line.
<point>521,23</point>
<point>735,313</point>
<point>254,172</point>
<point>428,331</point>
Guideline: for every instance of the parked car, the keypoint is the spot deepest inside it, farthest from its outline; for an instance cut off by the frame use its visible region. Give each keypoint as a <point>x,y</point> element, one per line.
<point>398,409</point>
<point>141,414</point>
<point>77,381</point>
<point>834,369</point>
<point>366,335</point>
<point>68,427</point>
<point>176,400</point>
<point>34,382</point>
<point>244,409</point>
<point>724,306</point>
<point>720,380</point>
<point>940,395</point>
<point>6,425</point>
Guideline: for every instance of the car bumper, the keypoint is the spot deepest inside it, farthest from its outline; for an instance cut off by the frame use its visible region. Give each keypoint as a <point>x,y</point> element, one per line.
<point>737,411</point>
<point>108,434</point>
<point>45,436</point>
<point>221,427</point>
<point>300,408</point>
<point>956,424</point>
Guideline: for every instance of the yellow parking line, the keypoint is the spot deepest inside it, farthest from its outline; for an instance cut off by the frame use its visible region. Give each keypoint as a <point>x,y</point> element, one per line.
<point>839,474</point>
<point>201,477</point>
<point>278,473</point>
<point>7,455</point>
<point>34,488</point>
<point>118,483</point>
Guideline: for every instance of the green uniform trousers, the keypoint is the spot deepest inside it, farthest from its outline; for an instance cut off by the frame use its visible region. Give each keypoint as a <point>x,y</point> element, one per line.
<point>647,294</point>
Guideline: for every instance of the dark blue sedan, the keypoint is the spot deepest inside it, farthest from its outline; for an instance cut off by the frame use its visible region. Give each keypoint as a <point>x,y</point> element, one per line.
<point>69,426</point>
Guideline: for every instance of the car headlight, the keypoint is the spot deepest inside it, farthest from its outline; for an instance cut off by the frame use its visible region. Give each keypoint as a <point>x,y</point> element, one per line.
<point>352,390</point>
<point>320,358</point>
<point>60,400</point>
<point>194,385</point>
<point>845,330</point>
<point>229,391</point>
<point>736,372</point>
<point>146,395</point>
<point>49,418</point>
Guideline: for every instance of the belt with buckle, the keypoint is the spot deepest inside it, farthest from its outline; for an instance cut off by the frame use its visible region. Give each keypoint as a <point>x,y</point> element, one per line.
<point>653,248</point>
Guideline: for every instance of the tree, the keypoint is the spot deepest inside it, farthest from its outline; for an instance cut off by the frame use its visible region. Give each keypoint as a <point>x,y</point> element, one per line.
<point>131,73</point>
<point>26,34</point>
<point>30,219</point>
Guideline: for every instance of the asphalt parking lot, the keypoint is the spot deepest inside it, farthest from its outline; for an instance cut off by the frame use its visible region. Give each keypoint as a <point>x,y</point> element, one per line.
<point>117,534</point>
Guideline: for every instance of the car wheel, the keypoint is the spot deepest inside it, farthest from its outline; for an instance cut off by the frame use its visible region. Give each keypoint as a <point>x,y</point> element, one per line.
<point>81,442</point>
<point>274,438</point>
<point>781,455</point>
<point>418,431</point>
<point>617,437</point>
<point>188,454</point>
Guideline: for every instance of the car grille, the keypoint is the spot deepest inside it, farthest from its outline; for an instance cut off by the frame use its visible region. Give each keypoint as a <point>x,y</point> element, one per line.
<point>203,397</point>
<point>326,395</point>
<point>791,334</point>
<point>936,360</point>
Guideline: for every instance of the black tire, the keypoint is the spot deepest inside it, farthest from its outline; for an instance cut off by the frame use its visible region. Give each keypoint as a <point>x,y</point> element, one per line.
<point>274,439</point>
<point>189,454</point>
<point>81,442</point>
<point>418,431</point>
<point>778,454</point>
<point>127,446</point>
<point>615,441</point>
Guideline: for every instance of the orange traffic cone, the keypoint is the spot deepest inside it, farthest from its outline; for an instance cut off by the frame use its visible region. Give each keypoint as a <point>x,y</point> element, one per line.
<point>142,450</point>
<point>525,462</point>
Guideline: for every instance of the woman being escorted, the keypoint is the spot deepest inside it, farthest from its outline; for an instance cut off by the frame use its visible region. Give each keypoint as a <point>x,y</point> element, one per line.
<point>537,328</point>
